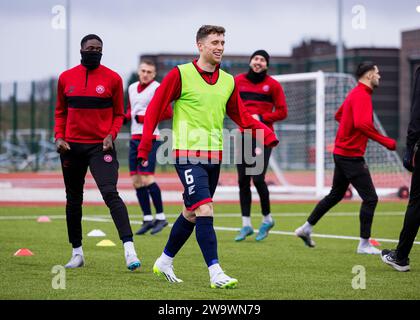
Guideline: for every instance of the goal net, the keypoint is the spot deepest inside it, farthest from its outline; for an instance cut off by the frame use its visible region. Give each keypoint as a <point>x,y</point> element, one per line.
<point>303,161</point>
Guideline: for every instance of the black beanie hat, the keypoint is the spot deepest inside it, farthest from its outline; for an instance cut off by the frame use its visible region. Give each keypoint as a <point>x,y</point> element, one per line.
<point>262,53</point>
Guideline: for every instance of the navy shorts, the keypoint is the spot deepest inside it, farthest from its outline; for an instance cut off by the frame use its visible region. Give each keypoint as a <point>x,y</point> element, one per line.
<point>199,181</point>
<point>134,164</point>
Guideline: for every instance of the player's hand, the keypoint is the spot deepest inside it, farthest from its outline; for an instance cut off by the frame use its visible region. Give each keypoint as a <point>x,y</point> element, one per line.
<point>62,146</point>
<point>139,119</point>
<point>256,117</point>
<point>107,144</point>
<point>408,160</point>
<point>393,146</point>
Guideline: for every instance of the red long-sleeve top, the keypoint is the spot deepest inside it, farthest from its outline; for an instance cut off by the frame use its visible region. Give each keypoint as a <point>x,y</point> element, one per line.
<point>260,98</point>
<point>355,118</point>
<point>90,105</point>
<point>170,90</point>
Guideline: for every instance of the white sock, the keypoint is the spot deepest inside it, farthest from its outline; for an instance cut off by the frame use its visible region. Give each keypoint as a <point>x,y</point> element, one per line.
<point>307,227</point>
<point>148,217</point>
<point>364,242</point>
<point>165,259</point>
<point>78,251</point>
<point>214,270</point>
<point>129,249</point>
<point>160,216</point>
<point>246,222</point>
<point>268,218</point>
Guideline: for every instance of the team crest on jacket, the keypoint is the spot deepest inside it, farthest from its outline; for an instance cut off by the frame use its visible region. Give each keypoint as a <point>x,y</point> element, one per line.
<point>108,158</point>
<point>100,89</point>
<point>266,88</point>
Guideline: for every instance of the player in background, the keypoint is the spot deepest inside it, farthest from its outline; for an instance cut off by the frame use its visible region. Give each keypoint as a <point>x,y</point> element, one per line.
<point>88,116</point>
<point>203,94</point>
<point>356,127</point>
<point>140,94</point>
<point>398,258</point>
<point>265,101</point>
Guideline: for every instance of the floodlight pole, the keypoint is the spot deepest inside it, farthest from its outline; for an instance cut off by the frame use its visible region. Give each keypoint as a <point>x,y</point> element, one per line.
<point>340,46</point>
<point>67,34</point>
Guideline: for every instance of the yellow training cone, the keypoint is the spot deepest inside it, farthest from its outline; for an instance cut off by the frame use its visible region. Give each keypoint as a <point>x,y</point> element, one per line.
<point>105,243</point>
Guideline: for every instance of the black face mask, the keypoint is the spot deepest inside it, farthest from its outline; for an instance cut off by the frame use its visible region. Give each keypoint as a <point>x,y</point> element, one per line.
<point>256,77</point>
<point>91,59</point>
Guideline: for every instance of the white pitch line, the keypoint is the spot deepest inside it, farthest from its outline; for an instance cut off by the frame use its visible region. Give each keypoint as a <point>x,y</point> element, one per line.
<point>225,215</point>
<point>286,233</point>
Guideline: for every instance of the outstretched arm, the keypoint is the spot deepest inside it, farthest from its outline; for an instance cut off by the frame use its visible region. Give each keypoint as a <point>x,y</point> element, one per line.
<point>238,113</point>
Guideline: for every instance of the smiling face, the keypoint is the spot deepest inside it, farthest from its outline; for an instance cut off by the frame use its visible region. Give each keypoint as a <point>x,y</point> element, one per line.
<point>211,48</point>
<point>374,77</point>
<point>258,64</point>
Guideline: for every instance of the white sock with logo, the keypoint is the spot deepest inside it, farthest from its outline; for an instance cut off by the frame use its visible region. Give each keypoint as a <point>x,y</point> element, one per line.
<point>364,242</point>
<point>246,221</point>
<point>160,216</point>
<point>78,251</point>
<point>214,270</point>
<point>268,218</point>
<point>129,249</point>
<point>307,227</point>
<point>165,259</point>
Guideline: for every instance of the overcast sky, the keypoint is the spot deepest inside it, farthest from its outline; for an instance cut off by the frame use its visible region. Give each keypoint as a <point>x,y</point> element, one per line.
<point>32,49</point>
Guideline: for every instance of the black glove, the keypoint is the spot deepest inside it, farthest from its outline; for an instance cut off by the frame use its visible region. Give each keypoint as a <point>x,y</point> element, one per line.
<point>408,160</point>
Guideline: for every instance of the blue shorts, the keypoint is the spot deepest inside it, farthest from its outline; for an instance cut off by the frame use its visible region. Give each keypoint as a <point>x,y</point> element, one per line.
<point>199,181</point>
<point>133,163</point>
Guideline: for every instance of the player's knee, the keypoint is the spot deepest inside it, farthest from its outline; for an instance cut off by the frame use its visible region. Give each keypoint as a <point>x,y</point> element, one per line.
<point>371,200</point>
<point>109,194</point>
<point>205,210</point>
<point>244,182</point>
<point>336,196</point>
<point>74,199</point>
<point>146,180</point>
<point>135,179</point>
<point>258,180</point>
<point>189,215</point>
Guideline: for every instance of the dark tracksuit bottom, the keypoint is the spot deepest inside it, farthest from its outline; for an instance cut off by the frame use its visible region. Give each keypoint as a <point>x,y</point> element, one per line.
<point>350,170</point>
<point>244,179</point>
<point>104,168</point>
<point>412,215</point>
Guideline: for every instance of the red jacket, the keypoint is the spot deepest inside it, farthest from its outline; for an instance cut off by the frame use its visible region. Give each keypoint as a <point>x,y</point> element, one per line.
<point>90,105</point>
<point>260,98</point>
<point>170,90</point>
<point>356,126</point>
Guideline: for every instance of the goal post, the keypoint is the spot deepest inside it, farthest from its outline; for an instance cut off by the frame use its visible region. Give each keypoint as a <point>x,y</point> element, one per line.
<point>303,161</point>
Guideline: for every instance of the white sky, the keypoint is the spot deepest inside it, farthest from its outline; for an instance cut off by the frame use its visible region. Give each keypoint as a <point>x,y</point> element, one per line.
<point>32,49</point>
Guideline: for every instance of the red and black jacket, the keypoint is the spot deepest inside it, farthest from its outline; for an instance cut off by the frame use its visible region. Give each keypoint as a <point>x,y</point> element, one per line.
<point>266,99</point>
<point>90,105</point>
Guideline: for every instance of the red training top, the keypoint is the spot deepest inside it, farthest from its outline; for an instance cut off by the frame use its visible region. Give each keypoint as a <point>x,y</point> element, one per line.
<point>170,90</point>
<point>355,119</point>
<point>90,105</point>
<point>259,98</point>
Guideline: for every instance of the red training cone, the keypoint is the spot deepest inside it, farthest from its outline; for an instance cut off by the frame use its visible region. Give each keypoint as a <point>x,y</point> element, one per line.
<point>375,243</point>
<point>43,219</point>
<point>23,253</point>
